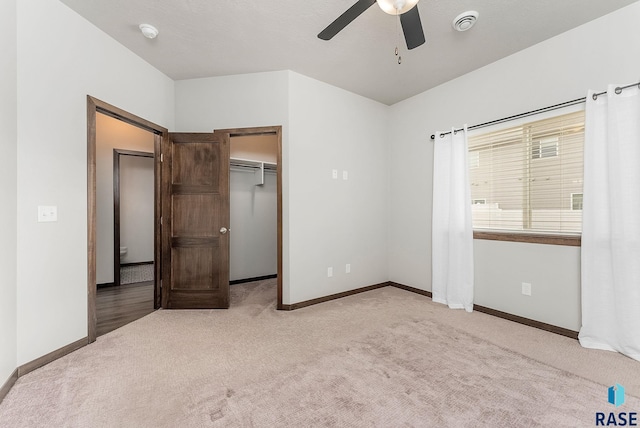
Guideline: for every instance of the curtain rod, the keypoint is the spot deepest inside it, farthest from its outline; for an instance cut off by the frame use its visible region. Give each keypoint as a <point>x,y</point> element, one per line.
<point>595,96</point>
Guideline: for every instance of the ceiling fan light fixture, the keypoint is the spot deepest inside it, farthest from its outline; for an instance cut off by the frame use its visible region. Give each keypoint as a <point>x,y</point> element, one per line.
<point>149,31</point>
<point>396,7</point>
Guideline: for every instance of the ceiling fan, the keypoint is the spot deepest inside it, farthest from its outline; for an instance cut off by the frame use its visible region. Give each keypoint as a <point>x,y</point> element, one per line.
<point>407,9</point>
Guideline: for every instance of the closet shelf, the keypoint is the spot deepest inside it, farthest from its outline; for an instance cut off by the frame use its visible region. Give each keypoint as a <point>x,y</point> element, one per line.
<point>258,167</point>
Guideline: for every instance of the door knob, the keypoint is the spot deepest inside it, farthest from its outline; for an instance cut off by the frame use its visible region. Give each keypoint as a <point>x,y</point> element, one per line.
<point>223,230</point>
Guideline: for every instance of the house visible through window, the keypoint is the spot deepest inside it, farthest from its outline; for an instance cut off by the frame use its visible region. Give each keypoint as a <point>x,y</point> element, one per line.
<point>544,148</point>
<point>576,201</point>
<point>529,177</point>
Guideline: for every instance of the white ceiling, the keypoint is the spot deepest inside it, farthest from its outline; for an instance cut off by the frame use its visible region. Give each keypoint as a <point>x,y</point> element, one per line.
<point>204,38</point>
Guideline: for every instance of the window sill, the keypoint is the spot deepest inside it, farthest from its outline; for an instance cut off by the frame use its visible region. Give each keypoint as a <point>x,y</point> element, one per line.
<point>532,238</point>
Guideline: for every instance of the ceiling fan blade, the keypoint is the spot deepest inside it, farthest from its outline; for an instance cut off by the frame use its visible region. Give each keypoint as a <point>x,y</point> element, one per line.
<point>343,20</point>
<point>412,28</point>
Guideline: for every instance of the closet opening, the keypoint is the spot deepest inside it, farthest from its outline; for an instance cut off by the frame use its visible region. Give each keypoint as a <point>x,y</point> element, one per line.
<point>255,184</point>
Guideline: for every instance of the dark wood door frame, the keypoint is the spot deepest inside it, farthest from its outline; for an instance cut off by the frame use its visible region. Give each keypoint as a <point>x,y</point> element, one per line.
<point>277,131</point>
<point>116,206</point>
<point>95,106</point>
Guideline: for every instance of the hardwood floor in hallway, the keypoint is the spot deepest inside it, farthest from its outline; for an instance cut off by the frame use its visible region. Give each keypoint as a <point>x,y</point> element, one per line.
<point>117,306</point>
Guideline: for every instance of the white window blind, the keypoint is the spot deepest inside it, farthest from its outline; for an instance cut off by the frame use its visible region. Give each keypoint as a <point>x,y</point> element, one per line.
<point>530,176</point>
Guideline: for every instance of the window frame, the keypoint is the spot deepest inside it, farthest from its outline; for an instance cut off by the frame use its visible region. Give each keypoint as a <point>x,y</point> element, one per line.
<point>531,238</point>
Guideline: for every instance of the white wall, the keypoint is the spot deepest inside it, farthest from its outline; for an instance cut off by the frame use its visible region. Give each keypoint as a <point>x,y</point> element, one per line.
<point>61,59</point>
<point>253,244</point>
<point>114,134</point>
<point>137,208</point>
<point>8,186</point>
<point>238,101</point>
<point>560,69</point>
<point>335,222</point>
<point>255,147</point>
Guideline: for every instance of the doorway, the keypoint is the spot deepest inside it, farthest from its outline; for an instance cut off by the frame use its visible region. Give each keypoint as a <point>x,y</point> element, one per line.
<point>133,185</point>
<point>253,208</point>
<point>267,144</point>
<point>195,234</point>
<point>157,133</point>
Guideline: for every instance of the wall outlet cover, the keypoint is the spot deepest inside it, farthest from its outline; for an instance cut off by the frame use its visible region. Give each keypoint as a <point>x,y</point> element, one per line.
<point>47,213</point>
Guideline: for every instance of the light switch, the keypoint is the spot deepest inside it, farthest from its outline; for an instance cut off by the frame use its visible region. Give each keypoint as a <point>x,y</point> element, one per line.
<point>345,175</point>
<point>347,268</point>
<point>47,213</point>
<point>329,272</point>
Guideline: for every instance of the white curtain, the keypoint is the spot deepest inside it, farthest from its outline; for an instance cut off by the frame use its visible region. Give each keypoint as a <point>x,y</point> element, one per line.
<point>611,223</point>
<point>452,229</point>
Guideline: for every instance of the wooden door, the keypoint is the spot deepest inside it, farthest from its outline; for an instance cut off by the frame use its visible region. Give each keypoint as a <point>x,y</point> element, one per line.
<point>195,219</point>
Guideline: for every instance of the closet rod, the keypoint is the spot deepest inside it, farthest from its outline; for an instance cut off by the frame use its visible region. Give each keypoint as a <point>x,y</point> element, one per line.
<point>252,168</point>
<point>595,96</point>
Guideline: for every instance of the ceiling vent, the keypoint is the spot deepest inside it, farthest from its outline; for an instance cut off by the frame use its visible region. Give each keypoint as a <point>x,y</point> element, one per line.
<point>465,20</point>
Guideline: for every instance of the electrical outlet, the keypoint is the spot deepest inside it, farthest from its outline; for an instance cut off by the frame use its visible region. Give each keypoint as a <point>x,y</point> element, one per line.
<point>526,289</point>
<point>345,175</point>
<point>347,268</point>
<point>329,272</point>
<point>334,174</point>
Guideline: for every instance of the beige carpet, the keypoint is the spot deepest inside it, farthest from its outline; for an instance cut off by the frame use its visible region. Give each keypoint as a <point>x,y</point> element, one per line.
<point>382,358</point>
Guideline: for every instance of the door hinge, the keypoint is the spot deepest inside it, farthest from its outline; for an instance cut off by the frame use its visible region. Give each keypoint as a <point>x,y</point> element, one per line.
<point>160,220</point>
<point>161,157</point>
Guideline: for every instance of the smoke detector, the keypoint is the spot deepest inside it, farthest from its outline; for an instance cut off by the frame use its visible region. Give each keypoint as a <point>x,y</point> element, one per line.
<point>465,20</point>
<point>149,31</point>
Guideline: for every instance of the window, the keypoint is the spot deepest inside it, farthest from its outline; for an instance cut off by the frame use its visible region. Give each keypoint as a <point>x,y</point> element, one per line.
<point>576,201</point>
<point>544,148</point>
<point>529,177</point>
